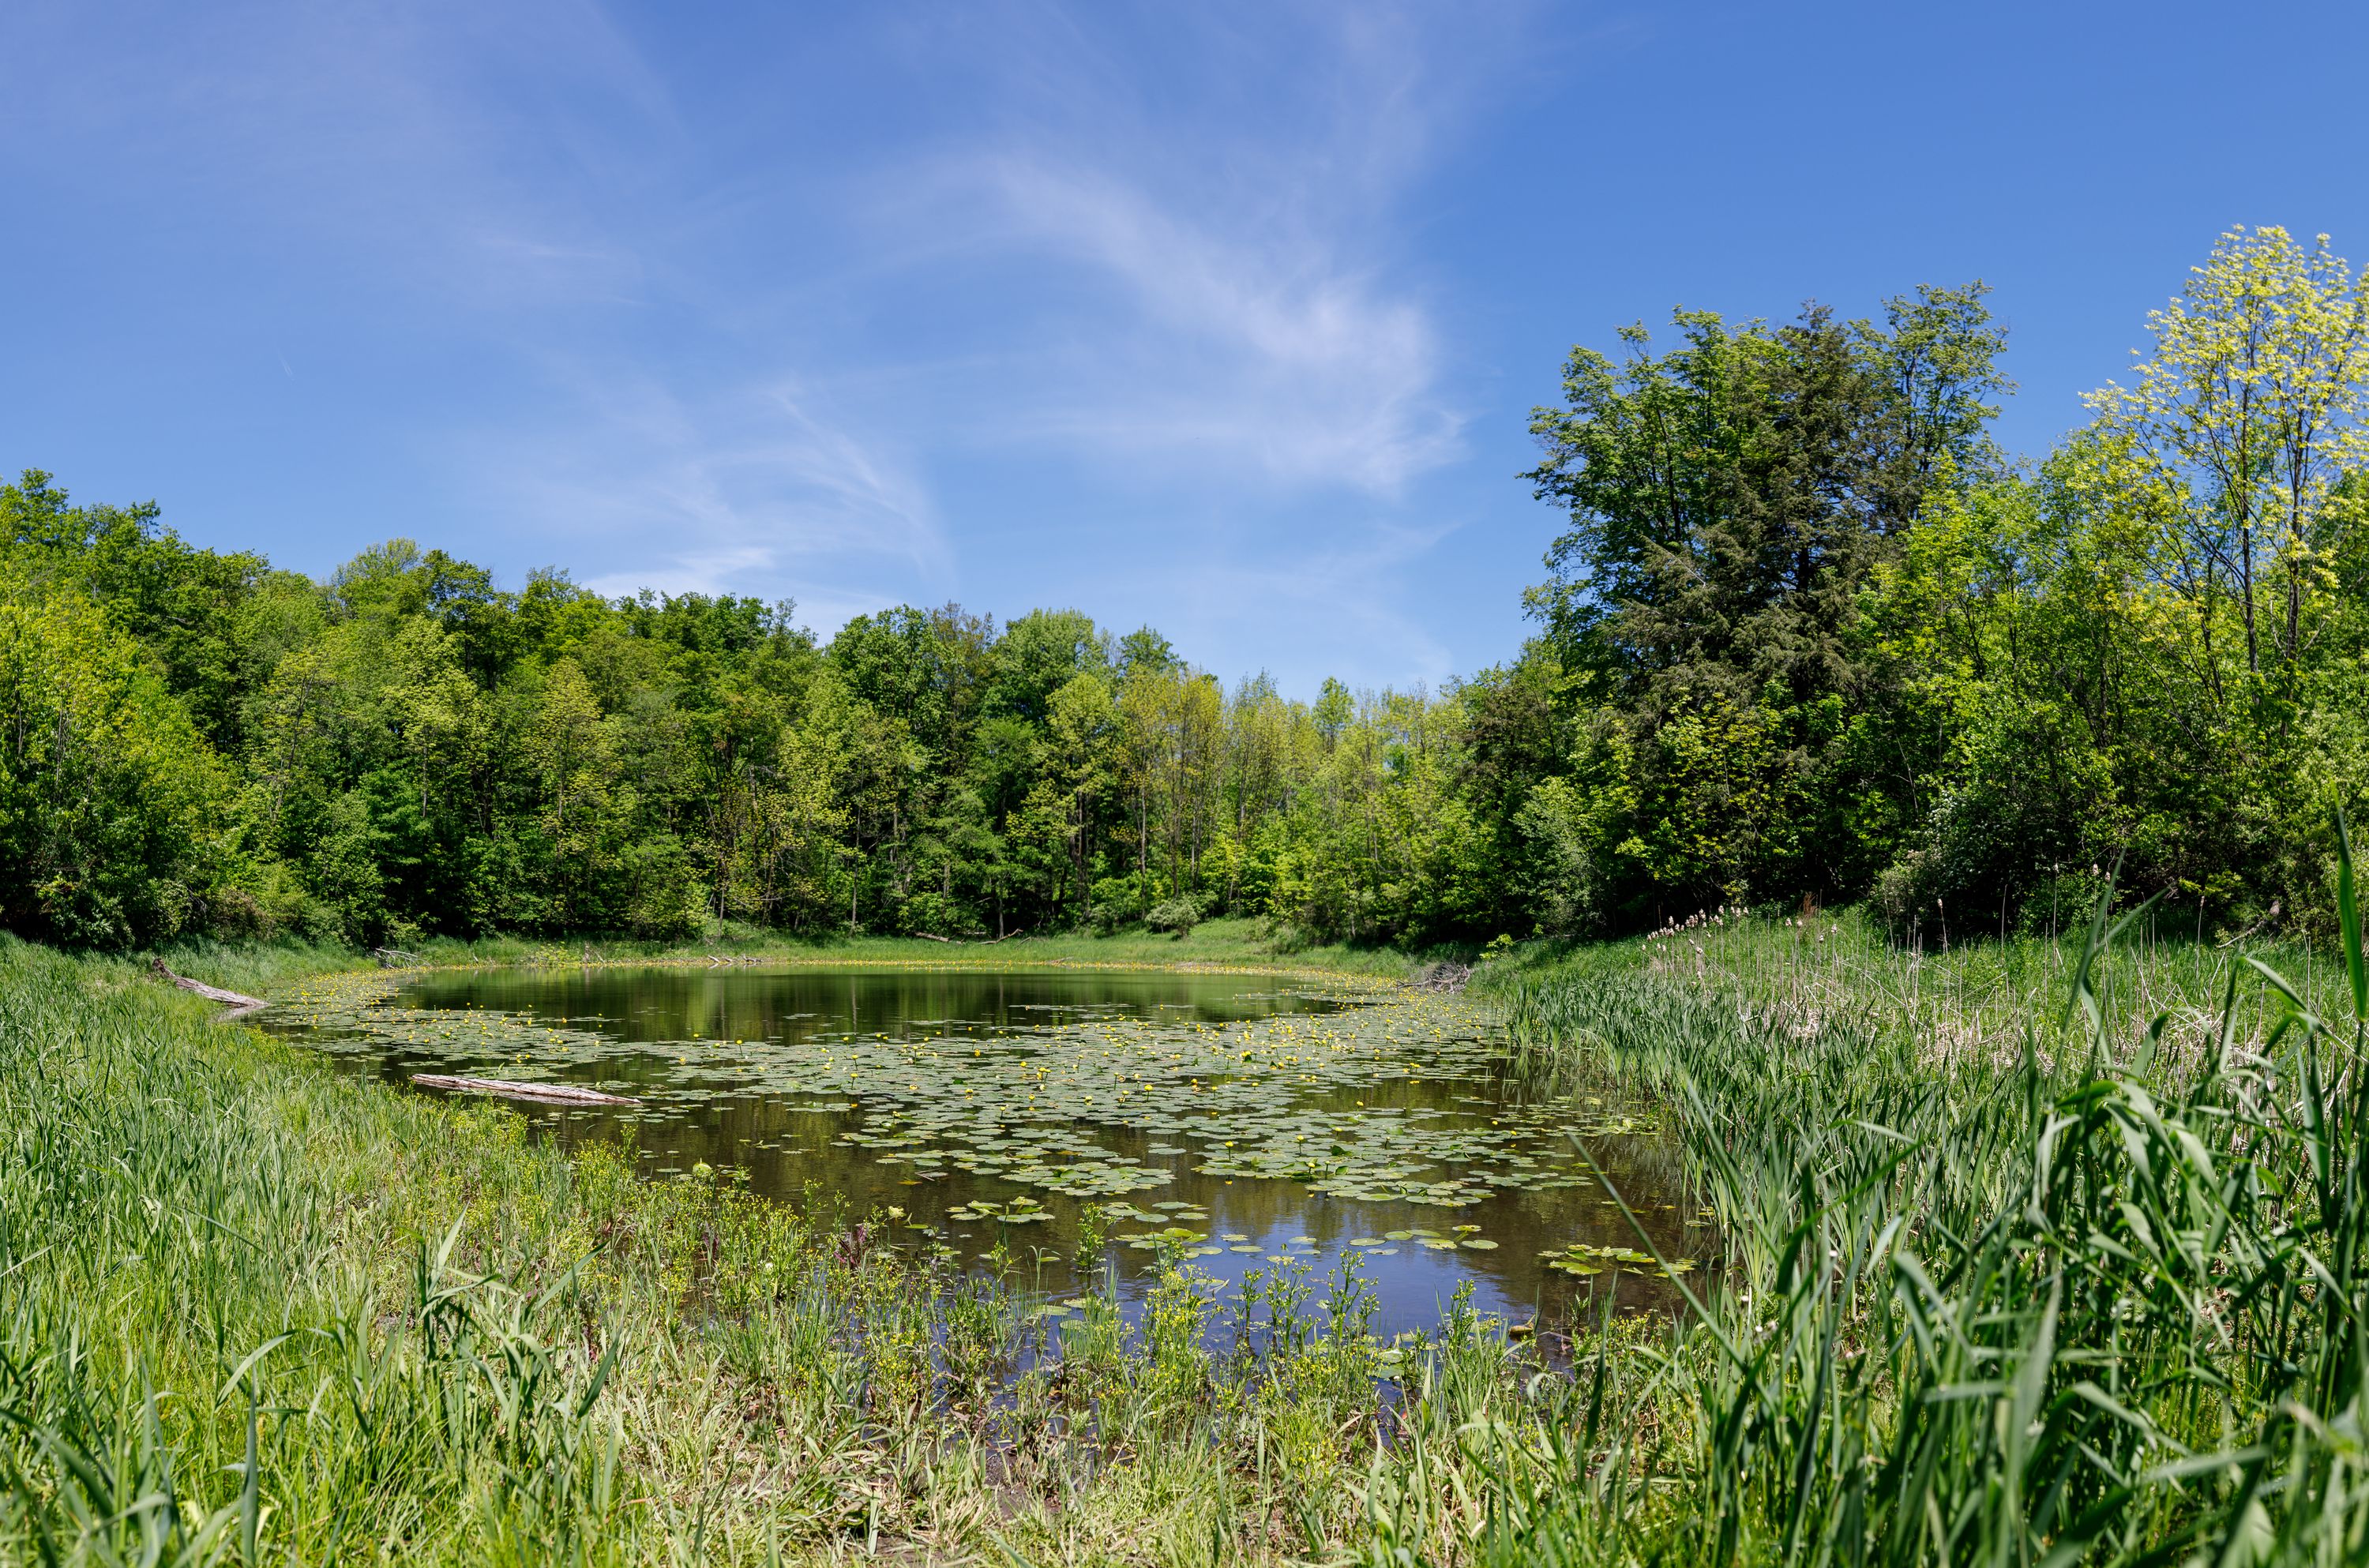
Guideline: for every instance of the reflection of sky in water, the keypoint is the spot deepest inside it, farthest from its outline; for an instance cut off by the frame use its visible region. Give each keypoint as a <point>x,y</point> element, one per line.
<point>862,1088</point>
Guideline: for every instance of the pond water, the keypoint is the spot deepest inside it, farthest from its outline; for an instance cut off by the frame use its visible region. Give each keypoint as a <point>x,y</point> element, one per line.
<point>1261,1122</point>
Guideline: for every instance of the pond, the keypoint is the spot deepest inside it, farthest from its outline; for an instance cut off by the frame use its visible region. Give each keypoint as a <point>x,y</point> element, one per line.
<point>1257,1121</point>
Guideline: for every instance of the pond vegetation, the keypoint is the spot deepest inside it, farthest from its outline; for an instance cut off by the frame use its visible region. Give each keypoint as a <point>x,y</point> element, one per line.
<point>1255,1120</point>
<point>1995,1275</point>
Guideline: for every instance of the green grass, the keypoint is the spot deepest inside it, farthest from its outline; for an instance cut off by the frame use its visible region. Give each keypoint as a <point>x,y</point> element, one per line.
<point>2042,1251</point>
<point>2038,1252</point>
<point>257,1311</point>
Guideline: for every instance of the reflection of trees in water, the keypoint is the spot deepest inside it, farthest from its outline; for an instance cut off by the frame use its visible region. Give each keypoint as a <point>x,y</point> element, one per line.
<point>679,1003</point>
<point>789,1155</point>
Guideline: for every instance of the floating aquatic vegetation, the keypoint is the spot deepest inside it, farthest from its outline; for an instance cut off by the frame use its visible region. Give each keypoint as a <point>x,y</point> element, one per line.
<point>1049,1107</point>
<point>1582,1260</point>
<point>1019,1211</point>
<point>1366,1095</point>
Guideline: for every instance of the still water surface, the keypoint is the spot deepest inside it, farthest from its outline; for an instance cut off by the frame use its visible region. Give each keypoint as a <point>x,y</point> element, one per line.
<point>1263,1122</point>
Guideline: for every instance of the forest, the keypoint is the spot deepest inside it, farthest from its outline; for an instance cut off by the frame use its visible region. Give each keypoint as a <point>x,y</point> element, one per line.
<point>1805,635</point>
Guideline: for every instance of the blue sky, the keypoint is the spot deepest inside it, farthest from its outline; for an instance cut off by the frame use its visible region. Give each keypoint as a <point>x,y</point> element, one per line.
<point>1225,318</point>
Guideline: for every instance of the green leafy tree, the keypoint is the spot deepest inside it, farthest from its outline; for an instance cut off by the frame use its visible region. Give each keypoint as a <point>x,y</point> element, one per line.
<point>2245,417</point>
<point>1728,501</point>
<point>113,808</point>
<point>574,759</point>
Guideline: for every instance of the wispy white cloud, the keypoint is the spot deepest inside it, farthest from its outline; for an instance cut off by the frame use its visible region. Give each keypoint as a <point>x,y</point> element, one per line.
<point>758,489</point>
<point>1144,264</point>
<point>518,179</point>
<point>1231,298</point>
<point>1258,349</point>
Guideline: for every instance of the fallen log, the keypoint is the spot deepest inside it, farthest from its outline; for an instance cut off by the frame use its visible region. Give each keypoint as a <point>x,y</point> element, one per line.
<point>1442,976</point>
<point>239,1005</point>
<point>557,1093</point>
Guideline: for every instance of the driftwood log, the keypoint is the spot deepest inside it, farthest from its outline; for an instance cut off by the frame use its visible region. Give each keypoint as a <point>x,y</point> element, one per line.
<point>555,1093</point>
<point>239,1006</point>
<point>1442,976</point>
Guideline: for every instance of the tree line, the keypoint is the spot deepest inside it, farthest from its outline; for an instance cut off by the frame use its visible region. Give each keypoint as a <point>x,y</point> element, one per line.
<point>1807,634</point>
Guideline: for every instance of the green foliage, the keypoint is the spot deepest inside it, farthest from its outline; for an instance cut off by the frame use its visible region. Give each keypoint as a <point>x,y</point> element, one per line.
<point>113,810</point>
<point>1824,644</point>
<point>1177,915</point>
<point>1805,636</point>
<point>408,751</point>
<point>1729,500</point>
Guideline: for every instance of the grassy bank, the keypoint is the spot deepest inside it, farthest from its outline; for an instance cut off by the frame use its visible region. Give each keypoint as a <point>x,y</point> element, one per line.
<point>258,967</point>
<point>2040,1254</point>
<point>258,1312</point>
<point>2043,1253</point>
